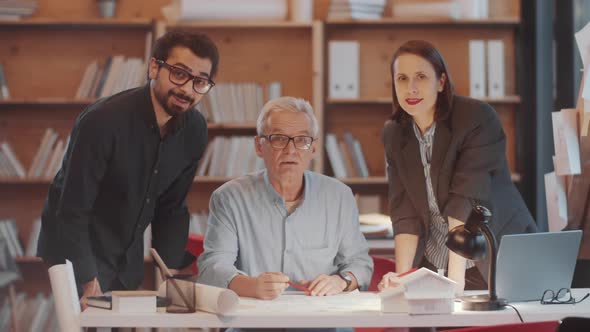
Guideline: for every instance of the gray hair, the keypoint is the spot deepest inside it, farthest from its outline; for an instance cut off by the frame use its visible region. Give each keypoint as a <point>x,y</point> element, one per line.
<point>291,104</point>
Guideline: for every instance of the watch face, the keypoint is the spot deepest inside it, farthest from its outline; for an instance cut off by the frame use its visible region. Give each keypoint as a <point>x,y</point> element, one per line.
<point>345,277</point>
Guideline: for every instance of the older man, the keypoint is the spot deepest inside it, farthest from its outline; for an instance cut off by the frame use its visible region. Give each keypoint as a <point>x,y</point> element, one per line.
<point>285,223</point>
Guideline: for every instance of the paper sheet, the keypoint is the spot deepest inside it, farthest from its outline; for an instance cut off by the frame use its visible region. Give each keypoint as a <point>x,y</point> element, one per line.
<point>566,142</point>
<point>65,294</point>
<point>583,41</point>
<point>556,202</point>
<point>299,302</point>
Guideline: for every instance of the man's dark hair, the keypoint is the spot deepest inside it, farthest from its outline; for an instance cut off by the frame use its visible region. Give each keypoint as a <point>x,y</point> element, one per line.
<point>199,43</point>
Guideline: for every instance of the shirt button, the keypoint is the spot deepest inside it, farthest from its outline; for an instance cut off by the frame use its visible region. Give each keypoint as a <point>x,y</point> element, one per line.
<point>147,200</point>
<point>155,171</point>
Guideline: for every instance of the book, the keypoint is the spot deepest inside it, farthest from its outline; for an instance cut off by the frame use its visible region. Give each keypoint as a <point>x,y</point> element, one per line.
<point>106,301</point>
<point>134,301</point>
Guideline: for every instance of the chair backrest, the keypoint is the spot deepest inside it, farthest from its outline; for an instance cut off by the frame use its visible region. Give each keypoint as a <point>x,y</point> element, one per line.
<point>381,267</point>
<point>195,247</point>
<point>574,324</point>
<point>65,295</point>
<point>549,326</point>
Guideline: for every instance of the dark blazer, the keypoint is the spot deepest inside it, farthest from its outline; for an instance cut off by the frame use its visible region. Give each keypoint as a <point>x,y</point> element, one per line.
<point>468,165</point>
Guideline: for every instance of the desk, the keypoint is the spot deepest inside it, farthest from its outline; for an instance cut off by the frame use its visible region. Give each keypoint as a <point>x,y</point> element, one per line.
<point>368,316</point>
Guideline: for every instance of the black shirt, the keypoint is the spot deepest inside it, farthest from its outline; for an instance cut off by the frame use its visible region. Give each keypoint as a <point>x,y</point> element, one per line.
<point>118,176</point>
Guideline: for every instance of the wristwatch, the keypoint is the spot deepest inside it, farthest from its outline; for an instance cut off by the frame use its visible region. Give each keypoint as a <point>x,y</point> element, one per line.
<point>346,278</point>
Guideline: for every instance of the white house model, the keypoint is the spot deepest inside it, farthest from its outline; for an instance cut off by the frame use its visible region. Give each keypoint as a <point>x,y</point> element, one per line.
<point>420,292</point>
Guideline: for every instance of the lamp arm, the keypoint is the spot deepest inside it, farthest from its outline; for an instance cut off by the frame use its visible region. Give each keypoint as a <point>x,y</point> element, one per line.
<point>491,239</point>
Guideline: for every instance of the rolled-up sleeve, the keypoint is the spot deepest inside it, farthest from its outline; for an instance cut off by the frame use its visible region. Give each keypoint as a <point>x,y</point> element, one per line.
<point>217,263</point>
<point>353,253</point>
<point>403,215</point>
<point>481,154</point>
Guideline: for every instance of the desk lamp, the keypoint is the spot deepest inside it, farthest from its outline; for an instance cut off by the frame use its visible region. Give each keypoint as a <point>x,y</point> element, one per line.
<point>469,240</point>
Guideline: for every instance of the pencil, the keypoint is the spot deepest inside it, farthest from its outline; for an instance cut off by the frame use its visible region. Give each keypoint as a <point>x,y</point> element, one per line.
<point>298,286</point>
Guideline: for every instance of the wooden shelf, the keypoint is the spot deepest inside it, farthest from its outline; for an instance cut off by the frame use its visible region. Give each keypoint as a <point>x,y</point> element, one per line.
<point>508,22</point>
<point>232,126</point>
<point>46,102</point>
<point>372,180</point>
<point>388,101</point>
<point>26,181</point>
<point>28,259</point>
<point>382,180</point>
<point>97,23</point>
<point>240,24</point>
<point>36,260</point>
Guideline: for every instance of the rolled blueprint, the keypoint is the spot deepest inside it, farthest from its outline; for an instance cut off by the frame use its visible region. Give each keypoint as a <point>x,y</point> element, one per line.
<point>211,299</point>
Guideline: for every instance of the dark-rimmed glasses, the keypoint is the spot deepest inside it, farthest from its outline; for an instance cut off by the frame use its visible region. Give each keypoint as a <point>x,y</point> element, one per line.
<point>279,141</point>
<point>179,76</point>
<point>563,296</point>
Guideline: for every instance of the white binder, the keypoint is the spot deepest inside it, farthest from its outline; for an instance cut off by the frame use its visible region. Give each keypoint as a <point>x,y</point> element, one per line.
<point>344,69</point>
<point>496,69</point>
<point>477,74</point>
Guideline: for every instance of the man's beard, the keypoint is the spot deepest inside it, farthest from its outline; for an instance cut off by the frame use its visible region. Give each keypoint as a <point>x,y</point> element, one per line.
<point>170,108</point>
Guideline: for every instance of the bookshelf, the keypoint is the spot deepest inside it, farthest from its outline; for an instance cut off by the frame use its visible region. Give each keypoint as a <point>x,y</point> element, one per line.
<point>44,70</point>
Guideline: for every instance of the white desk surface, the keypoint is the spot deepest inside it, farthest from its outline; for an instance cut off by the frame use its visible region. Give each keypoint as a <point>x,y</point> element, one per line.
<point>367,314</point>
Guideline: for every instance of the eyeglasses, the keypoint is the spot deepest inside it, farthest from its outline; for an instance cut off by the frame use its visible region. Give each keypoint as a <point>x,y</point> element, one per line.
<point>563,296</point>
<point>179,76</point>
<point>279,141</point>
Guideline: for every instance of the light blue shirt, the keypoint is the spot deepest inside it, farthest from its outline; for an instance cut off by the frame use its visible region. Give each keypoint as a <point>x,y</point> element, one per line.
<point>250,231</point>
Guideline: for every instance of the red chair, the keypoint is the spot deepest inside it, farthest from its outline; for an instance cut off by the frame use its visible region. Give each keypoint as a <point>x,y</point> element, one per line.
<point>381,266</point>
<point>195,247</point>
<point>550,326</point>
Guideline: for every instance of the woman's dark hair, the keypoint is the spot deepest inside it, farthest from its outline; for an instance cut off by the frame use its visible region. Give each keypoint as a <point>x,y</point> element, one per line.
<point>200,44</point>
<point>429,53</point>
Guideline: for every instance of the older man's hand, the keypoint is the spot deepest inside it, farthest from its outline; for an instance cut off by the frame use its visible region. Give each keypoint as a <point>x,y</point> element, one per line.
<point>325,285</point>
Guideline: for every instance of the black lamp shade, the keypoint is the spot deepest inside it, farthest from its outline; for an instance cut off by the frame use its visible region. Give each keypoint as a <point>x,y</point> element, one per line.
<point>469,244</point>
<point>472,241</point>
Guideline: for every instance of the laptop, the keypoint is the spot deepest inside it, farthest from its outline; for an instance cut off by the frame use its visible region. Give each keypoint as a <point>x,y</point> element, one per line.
<point>528,264</point>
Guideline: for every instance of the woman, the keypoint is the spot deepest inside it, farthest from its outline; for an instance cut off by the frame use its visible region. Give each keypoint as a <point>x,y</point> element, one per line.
<point>444,153</point>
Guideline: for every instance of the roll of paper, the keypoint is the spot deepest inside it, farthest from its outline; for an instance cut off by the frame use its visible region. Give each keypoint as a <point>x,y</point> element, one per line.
<point>211,299</point>
<point>65,294</point>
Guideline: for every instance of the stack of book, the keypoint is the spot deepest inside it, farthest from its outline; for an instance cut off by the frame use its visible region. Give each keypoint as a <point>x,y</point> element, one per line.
<point>10,166</point>
<point>356,9</point>
<point>33,314</point>
<point>117,74</point>
<point>230,157</point>
<point>14,10</point>
<point>4,93</point>
<point>47,160</point>
<point>346,157</point>
<point>237,102</point>
<point>9,233</point>
<point>193,10</point>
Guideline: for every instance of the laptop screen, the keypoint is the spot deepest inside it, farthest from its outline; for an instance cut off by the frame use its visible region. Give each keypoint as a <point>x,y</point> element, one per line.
<point>528,264</point>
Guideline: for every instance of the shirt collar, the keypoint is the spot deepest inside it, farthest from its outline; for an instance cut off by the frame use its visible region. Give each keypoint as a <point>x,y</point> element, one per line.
<point>276,197</point>
<point>427,135</point>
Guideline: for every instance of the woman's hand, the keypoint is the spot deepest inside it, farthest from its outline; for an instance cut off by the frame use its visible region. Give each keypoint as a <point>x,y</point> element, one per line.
<point>389,280</point>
